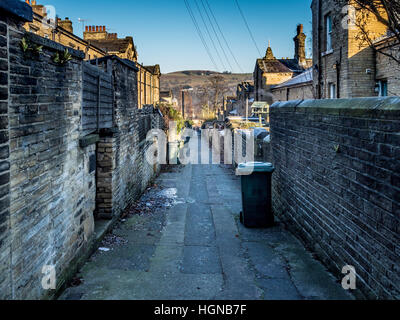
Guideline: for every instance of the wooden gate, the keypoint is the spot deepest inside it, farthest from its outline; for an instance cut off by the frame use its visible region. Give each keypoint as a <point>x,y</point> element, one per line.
<point>97,107</point>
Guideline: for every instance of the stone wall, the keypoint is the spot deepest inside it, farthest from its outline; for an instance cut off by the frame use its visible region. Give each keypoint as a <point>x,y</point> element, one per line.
<point>48,168</point>
<point>387,69</point>
<point>52,191</point>
<point>301,92</point>
<point>123,172</point>
<point>337,184</point>
<point>5,238</point>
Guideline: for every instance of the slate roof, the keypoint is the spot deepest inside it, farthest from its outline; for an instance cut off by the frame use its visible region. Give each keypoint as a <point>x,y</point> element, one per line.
<point>272,66</point>
<point>304,78</point>
<point>113,45</point>
<point>293,64</point>
<point>153,69</point>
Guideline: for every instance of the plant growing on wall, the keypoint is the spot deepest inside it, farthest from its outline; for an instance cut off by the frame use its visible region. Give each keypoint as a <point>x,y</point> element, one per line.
<point>29,49</point>
<point>170,114</point>
<point>62,57</point>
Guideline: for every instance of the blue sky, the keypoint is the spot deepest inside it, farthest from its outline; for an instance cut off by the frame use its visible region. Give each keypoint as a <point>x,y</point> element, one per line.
<point>164,32</point>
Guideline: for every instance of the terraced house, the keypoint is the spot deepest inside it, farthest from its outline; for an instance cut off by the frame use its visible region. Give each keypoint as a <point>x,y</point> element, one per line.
<point>270,71</point>
<point>348,64</point>
<point>97,42</point>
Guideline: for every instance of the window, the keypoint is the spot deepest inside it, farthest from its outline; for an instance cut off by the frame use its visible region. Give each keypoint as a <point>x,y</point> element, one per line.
<point>332,91</point>
<point>328,20</point>
<point>383,88</point>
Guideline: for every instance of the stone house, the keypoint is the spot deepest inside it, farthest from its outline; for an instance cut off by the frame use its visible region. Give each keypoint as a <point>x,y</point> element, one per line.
<point>60,31</point>
<point>270,71</point>
<point>345,66</point>
<point>244,91</point>
<point>97,43</point>
<point>297,88</point>
<point>124,48</point>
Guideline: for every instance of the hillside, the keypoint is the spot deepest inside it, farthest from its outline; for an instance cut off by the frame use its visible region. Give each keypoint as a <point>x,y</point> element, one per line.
<point>200,81</point>
<point>198,78</point>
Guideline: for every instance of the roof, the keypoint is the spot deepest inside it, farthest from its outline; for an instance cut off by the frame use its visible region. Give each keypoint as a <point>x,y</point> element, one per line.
<point>113,45</point>
<point>272,66</point>
<point>247,85</point>
<point>293,64</point>
<point>304,78</point>
<point>153,69</point>
<point>260,104</point>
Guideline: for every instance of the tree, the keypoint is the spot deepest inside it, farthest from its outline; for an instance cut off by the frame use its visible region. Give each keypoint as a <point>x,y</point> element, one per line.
<point>218,89</point>
<point>386,12</point>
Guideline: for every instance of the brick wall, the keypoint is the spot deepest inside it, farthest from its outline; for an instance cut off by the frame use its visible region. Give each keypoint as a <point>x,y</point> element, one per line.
<point>123,172</point>
<point>337,184</point>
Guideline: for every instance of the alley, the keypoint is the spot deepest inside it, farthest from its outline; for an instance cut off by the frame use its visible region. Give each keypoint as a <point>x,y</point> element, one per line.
<point>197,249</point>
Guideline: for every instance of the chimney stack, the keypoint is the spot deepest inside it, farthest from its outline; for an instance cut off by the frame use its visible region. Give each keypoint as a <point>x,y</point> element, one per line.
<point>66,25</point>
<point>300,46</point>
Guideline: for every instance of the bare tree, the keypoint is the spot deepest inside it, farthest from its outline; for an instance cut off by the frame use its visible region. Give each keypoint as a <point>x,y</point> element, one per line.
<point>386,12</point>
<point>218,89</point>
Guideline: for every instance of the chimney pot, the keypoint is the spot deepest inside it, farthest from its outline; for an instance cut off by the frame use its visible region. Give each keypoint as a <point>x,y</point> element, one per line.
<point>300,29</point>
<point>86,28</point>
<point>97,28</point>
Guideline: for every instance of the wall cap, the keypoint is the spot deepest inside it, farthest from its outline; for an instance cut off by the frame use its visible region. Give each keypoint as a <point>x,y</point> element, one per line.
<point>89,140</point>
<point>355,106</point>
<point>18,9</point>
<point>47,43</point>
<point>130,64</point>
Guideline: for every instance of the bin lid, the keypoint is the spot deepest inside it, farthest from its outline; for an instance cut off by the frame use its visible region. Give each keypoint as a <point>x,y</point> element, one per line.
<point>250,167</point>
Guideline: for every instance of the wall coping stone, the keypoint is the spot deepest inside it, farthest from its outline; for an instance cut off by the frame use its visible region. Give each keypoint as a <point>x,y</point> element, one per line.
<point>130,64</point>
<point>17,8</point>
<point>47,43</point>
<point>342,107</point>
<point>89,140</point>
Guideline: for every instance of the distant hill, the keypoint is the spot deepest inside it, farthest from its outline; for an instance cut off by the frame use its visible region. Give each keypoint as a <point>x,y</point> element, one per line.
<point>199,79</point>
<point>196,78</point>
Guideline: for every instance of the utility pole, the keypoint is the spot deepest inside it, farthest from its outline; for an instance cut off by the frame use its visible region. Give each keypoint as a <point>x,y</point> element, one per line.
<point>225,111</point>
<point>183,104</point>
<point>247,109</point>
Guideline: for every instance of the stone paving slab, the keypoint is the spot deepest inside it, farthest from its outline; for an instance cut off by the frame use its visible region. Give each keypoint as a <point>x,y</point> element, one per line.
<point>198,249</point>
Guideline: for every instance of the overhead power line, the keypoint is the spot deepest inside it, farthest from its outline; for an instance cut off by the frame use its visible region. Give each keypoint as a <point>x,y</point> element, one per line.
<point>200,34</point>
<point>209,34</point>
<point>248,28</point>
<point>216,35</point>
<point>223,36</point>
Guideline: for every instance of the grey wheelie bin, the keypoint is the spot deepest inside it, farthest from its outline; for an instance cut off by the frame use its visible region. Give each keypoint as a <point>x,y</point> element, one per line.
<point>256,194</point>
